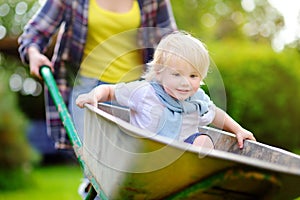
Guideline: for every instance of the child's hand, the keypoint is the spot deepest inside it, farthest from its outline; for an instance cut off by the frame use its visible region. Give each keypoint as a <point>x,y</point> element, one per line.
<point>242,135</point>
<point>89,98</point>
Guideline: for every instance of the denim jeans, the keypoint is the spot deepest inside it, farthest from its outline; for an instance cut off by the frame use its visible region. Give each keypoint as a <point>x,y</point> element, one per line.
<point>81,85</point>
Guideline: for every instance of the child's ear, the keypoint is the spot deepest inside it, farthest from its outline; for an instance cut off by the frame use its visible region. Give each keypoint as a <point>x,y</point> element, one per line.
<point>158,75</point>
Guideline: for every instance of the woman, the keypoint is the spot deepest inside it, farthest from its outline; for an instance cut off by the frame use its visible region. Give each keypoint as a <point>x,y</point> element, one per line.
<point>81,25</point>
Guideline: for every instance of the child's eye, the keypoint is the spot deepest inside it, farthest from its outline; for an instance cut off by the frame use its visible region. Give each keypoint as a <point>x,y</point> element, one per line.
<point>194,76</point>
<point>176,74</point>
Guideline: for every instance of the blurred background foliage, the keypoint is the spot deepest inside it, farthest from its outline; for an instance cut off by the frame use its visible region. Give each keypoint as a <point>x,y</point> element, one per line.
<point>261,78</point>
<point>16,155</point>
<point>258,82</point>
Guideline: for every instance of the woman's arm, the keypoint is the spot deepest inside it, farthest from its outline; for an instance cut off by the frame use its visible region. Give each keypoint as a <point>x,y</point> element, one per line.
<point>100,93</point>
<point>165,16</point>
<point>40,29</point>
<point>223,121</point>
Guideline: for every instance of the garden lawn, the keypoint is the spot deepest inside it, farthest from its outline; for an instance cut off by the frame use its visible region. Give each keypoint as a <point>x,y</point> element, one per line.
<point>52,182</point>
<point>59,182</point>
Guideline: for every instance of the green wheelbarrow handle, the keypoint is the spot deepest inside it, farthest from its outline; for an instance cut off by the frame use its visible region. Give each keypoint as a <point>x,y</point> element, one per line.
<point>61,107</point>
<point>65,117</point>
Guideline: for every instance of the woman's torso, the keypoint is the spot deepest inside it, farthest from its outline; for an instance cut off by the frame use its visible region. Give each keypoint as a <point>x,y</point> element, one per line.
<point>111,53</point>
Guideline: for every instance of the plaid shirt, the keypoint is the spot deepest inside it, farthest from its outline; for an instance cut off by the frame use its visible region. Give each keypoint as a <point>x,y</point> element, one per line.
<point>68,19</point>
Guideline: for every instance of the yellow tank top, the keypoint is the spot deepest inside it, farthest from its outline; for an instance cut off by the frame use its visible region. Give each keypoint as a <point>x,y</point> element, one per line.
<point>111,52</point>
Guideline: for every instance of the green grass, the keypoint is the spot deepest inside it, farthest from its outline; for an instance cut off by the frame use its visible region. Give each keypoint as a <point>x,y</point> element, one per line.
<point>51,182</point>
<point>59,182</point>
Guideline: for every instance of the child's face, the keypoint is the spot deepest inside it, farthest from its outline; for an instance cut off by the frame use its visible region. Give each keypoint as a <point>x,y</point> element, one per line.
<point>179,79</point>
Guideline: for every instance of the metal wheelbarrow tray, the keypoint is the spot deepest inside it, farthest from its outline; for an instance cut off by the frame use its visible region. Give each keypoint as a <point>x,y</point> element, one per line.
<point>126,162</point>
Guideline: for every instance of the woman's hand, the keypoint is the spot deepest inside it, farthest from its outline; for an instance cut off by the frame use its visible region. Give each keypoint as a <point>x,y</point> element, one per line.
<point>36,60</point>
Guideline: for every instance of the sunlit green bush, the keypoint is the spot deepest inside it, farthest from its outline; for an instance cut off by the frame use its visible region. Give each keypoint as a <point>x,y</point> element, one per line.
<point>262,90</point>
<point>16,156</point>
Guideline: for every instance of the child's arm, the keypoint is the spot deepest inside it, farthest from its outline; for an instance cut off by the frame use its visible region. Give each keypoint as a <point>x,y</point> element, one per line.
<point>100,93</point>
<point>223,121</point>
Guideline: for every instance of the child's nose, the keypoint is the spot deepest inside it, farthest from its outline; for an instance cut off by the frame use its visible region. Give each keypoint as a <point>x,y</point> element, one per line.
<point>184,81</point>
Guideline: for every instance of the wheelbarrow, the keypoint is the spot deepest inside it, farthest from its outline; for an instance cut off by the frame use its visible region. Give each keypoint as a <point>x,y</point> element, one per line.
<point>125,162</point>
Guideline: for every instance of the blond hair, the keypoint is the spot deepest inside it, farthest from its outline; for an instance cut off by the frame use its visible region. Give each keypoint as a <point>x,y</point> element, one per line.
<point>179,45</point>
